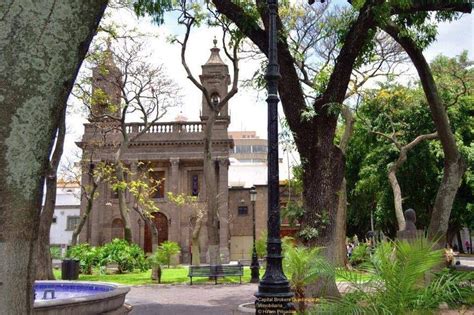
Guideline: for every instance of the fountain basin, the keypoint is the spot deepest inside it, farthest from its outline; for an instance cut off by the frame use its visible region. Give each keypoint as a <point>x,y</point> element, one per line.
<point>77,297</point>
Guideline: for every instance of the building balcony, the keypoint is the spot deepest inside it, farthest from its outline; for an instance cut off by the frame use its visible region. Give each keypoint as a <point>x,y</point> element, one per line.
<point>158,132</point>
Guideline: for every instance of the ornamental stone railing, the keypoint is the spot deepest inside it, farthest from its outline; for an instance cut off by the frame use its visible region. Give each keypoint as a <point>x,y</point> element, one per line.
<point>166,132</point>
<point>167,127</point>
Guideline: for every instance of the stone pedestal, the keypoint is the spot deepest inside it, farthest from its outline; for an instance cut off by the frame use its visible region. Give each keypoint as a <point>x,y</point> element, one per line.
<point>410,235</point>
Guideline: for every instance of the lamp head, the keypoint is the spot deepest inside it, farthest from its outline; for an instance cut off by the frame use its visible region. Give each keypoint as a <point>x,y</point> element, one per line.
<point>253,194</point>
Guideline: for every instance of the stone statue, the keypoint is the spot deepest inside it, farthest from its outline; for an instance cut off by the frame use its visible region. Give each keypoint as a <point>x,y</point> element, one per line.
<point>410,219</point>
<point>410,232</point>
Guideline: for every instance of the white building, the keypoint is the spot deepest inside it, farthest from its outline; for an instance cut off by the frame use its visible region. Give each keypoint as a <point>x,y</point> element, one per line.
<point>66,215</point>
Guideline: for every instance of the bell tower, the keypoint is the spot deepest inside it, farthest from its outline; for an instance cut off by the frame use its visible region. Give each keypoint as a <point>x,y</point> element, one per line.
<point>216,79</point>
<point>106,88</point>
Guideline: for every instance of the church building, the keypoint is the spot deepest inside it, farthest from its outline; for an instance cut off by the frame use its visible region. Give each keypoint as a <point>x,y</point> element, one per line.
<point>174,151</point>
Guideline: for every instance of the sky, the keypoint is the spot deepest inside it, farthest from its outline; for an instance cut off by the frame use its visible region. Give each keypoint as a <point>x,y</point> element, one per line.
<point>248,107</point>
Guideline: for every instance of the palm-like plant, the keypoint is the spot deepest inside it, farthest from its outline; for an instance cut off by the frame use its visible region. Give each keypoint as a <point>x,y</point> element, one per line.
<point>304,265</point>
<point>398,284</point>
<point>168,249</point>
<point>156,261</point>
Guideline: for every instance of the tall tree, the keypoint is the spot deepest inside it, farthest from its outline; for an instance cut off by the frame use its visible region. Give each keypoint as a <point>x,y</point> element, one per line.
<point>405,109</point>
<point>198,212</point>
<point>454,164</point>
<point>43,45</point>
<point>394,166</point>
<point>96,175</point>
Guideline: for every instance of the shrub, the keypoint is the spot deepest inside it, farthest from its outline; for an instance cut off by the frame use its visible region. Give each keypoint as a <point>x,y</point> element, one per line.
<point>55,252</point>
<point>166,250</point>
<point>397,285</point>
<point>304,265</point>
<point>156,260</point>
<point>127,256</point>
<point>360,254</point>
<point>87,255</point>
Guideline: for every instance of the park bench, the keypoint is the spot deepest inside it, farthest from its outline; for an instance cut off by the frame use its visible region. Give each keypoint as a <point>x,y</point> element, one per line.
<point>216,271</point>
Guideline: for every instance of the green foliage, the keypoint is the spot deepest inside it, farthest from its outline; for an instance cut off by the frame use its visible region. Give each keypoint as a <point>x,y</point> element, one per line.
<point>157,259</point>
<point>87,255</point>
<point>404,108</point>
<point>308,233</point>
<point>293,212</point>
<point>303,266</point>
<point>127,256</point>
<point>360,254</point>
<point>154,8</point>
<point>397,284</point>
<point>181,199</point>
<point>55,252</point>
<point>421,26</point>
<point>261,245</point>
<point>165,252</point>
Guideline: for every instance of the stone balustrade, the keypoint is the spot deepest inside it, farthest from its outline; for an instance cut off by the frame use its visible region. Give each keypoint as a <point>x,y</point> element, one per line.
<point>168,127</point>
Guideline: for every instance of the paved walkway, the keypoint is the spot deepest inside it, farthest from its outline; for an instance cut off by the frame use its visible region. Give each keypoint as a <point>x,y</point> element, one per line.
<point>183,299</point>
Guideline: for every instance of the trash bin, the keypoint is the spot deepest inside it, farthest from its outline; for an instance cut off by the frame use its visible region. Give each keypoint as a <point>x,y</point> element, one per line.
<point>70,269</point>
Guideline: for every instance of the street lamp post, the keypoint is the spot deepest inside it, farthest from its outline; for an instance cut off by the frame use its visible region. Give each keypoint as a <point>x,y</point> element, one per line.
<point>273,295</point>
<point>254,266</point>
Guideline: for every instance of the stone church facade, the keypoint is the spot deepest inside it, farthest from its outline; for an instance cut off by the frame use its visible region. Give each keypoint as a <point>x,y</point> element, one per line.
<point>174,151</point>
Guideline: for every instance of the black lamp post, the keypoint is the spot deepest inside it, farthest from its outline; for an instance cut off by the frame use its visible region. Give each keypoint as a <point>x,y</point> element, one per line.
<point>254,266</point>
<point>273,295</point>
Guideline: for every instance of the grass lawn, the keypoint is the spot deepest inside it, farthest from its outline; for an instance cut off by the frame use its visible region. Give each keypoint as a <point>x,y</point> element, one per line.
<point>175,276</point>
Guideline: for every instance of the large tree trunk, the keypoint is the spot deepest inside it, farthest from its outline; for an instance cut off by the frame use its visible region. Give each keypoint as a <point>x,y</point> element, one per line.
<point>454,165</point>
<point>44,267</point>
<point>195,247</point>
<point>210,179</point>
<point>322,180</point>
<point>155,270</point>
<point>340,251</point>
<point>43,44</point>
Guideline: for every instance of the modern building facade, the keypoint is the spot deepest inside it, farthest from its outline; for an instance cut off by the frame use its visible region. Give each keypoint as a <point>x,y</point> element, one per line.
<point>248,147</point>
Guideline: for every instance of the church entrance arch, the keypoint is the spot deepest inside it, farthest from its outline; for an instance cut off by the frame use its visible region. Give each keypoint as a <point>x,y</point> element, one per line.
<point>161,222</point>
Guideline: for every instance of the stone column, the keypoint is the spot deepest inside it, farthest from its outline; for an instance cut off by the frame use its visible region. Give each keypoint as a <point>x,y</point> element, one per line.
<point>223,191</point>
